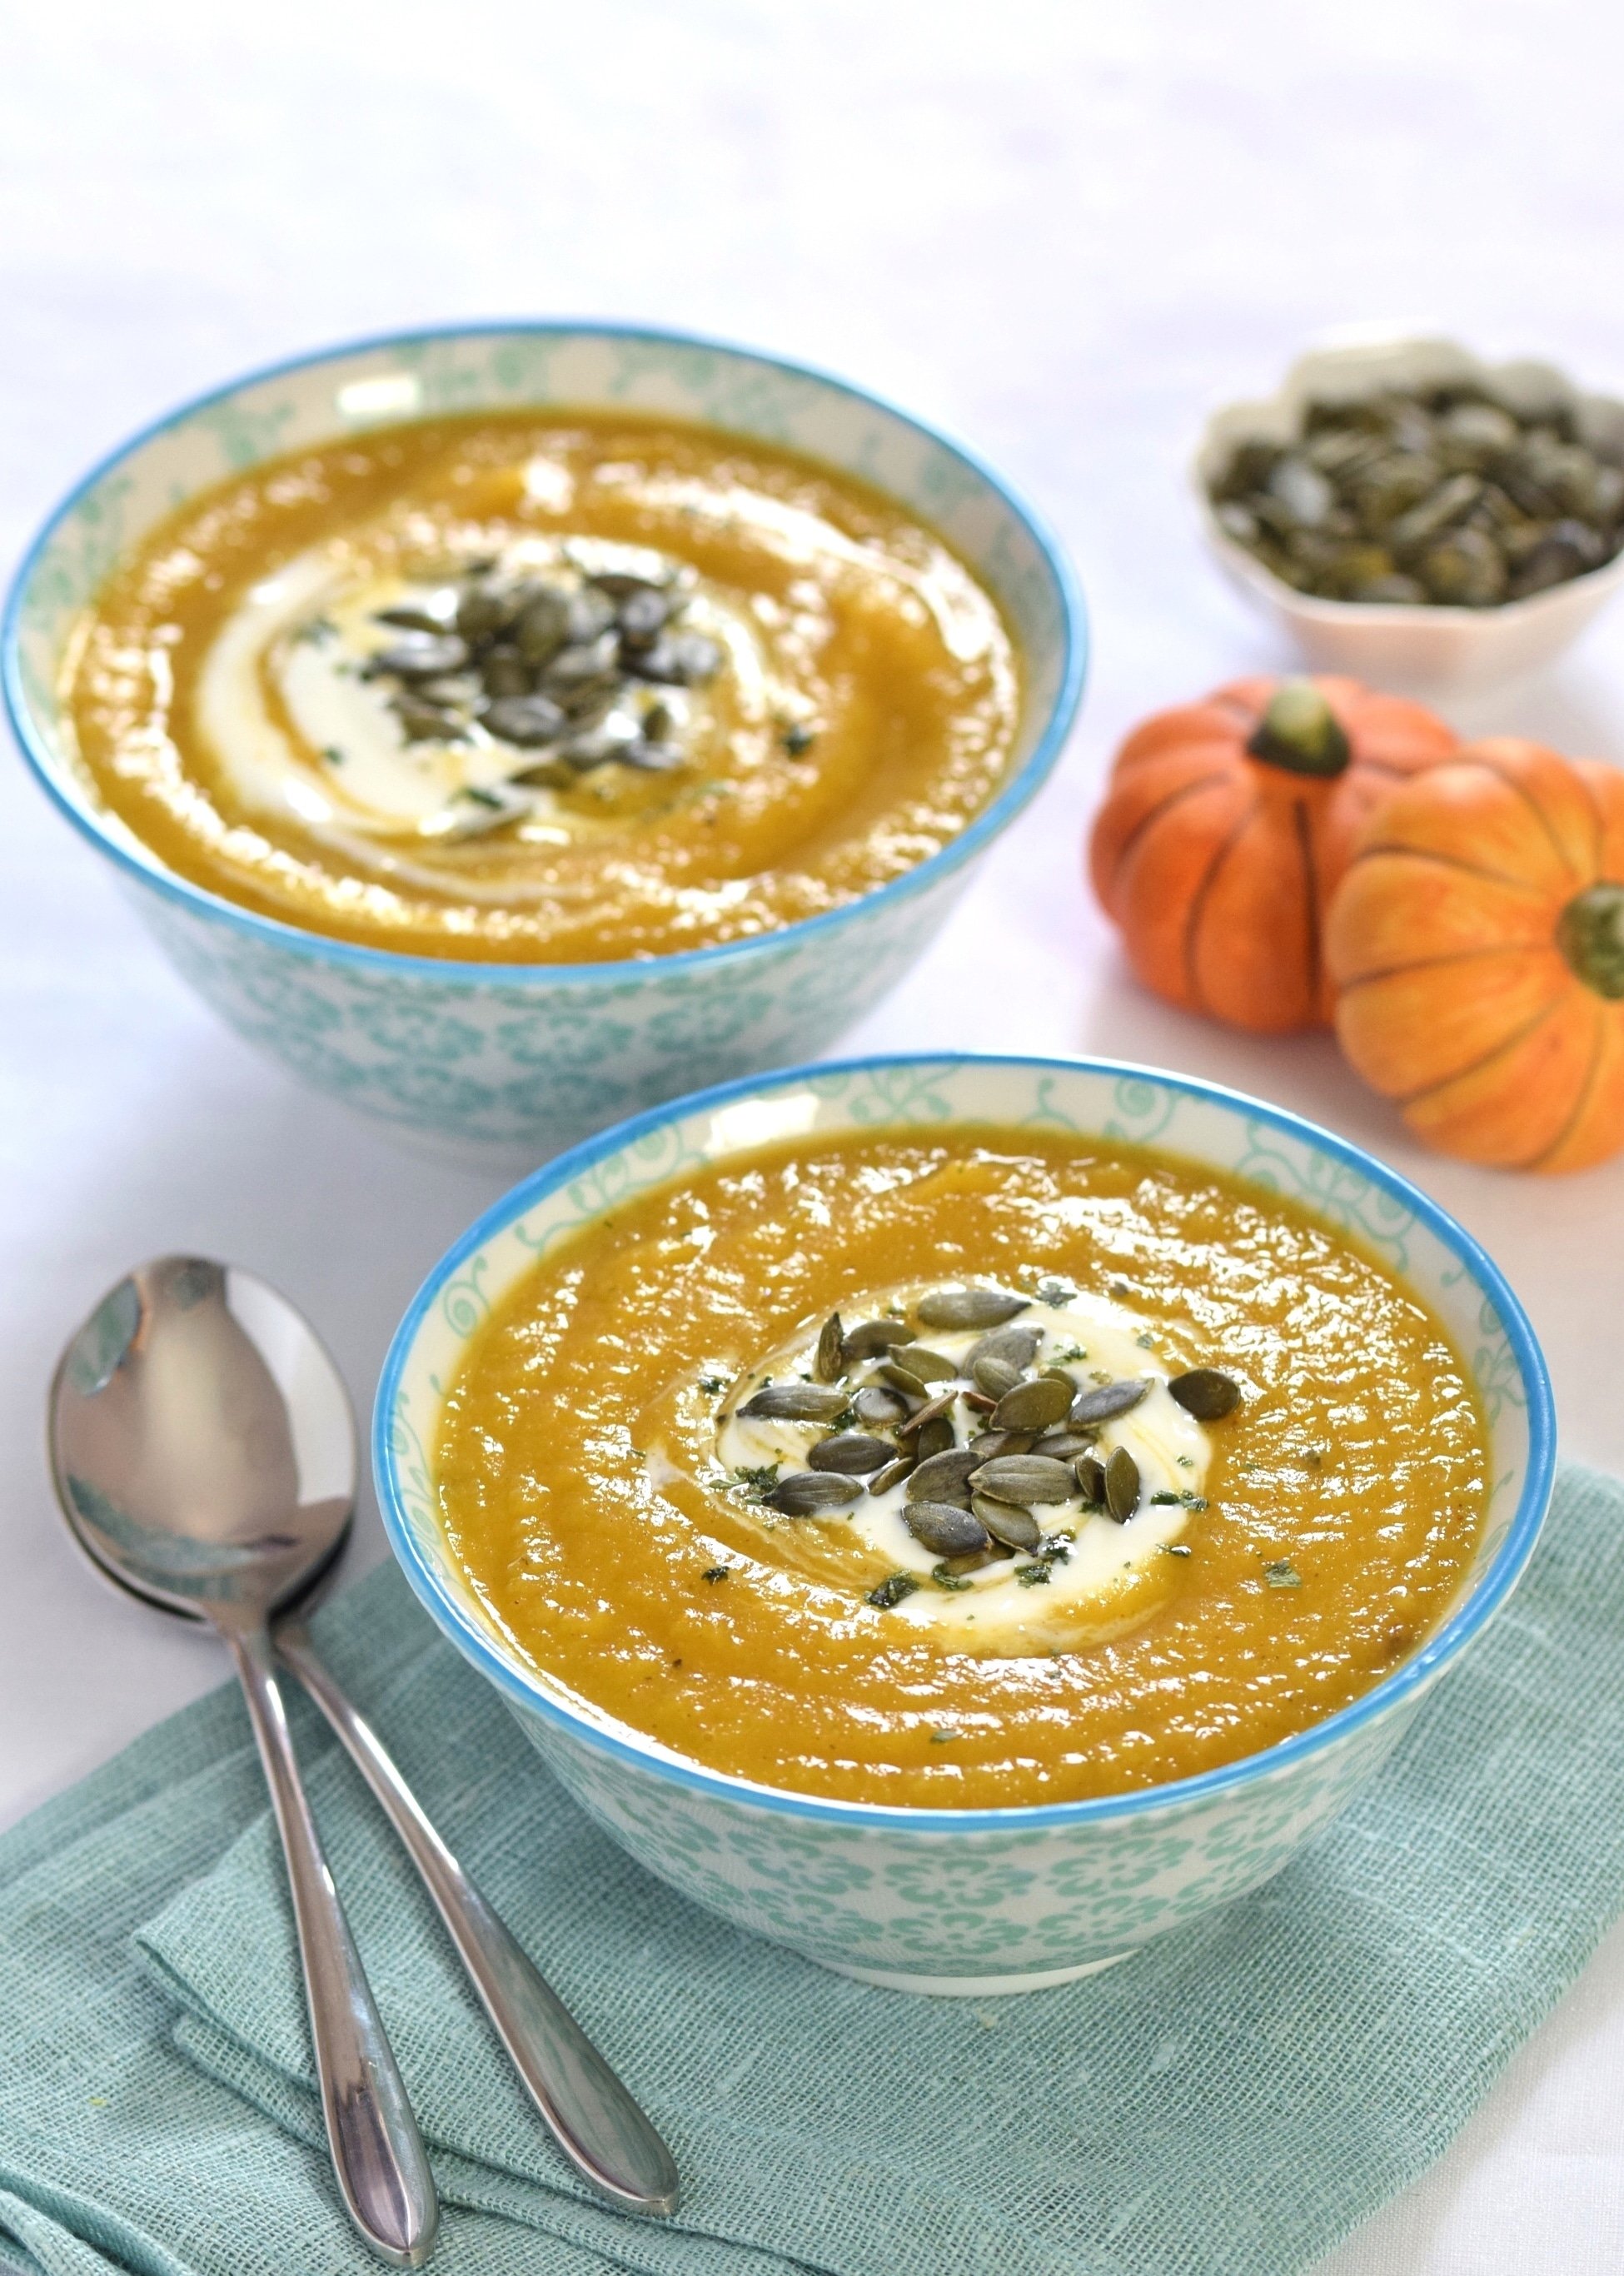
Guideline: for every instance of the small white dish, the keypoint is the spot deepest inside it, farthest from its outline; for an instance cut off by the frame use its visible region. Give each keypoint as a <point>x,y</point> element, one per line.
<point>1417,649</point>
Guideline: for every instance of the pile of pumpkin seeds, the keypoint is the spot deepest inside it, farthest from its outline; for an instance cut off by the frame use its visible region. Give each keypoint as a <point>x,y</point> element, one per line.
<point>1447,496</point>
<point>888,1403</point>
<point>570,673</point>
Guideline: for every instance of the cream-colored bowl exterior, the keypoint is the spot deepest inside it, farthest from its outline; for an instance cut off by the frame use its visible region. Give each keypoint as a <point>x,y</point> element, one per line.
<point>1422,650</point>
<point>505,1061</point>
<point>984,1900</point>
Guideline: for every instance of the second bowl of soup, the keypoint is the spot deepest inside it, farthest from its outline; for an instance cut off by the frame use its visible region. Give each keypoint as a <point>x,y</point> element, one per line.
<point>509,728</point>
<point>964,1518</point>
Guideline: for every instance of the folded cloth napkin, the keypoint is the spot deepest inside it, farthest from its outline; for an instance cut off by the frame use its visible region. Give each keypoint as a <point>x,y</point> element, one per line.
<point>1235,2098</point>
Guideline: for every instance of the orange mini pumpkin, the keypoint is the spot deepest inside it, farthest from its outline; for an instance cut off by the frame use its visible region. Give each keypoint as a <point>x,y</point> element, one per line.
<point>1226,826</point>
<point>1477,939</point>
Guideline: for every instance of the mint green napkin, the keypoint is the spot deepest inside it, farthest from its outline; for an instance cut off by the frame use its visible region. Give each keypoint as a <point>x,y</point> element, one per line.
<point>1236,2099</point>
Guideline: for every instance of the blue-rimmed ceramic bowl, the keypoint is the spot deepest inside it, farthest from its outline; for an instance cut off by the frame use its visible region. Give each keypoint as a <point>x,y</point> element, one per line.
<point>985,1899</point>
<point>520,1060</point>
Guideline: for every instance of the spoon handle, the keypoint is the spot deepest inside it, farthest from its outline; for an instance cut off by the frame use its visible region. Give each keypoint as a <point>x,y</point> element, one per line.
<point>595,2120</point>
<point>377,2151</point>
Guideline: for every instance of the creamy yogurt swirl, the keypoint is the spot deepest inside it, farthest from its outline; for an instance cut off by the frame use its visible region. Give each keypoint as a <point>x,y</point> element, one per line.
<point>1091,1574</point>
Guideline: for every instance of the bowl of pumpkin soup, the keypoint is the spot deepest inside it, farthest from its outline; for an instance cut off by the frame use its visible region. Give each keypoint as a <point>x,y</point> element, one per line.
<point>511,727</point>
<point>962,1518</point>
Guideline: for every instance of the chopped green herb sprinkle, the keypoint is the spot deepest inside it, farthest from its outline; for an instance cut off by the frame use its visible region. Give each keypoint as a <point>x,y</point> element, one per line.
<point>717,1573</point>
<point>1177,1548</point>
<point>1034,1576</point>
<point>1282,1574</point>
<point>333,755</point>
<point>1172,1498</point>
<point>756,1484</point>
<point>710,1384</point>
<point>945,1578</point>
<point>892,1591</point>
<point>798,738</point>
<point>1145,1340</point>
<point>940,1738</point>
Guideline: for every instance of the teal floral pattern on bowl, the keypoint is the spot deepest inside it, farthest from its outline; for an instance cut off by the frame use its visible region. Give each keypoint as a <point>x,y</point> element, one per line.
<point>510,1059</point>
<point>989,1899</point>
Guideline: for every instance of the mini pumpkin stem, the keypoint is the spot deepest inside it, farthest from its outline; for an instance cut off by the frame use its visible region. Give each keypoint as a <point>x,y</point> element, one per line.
<point>1590,932</point>
<point>1300,732</point>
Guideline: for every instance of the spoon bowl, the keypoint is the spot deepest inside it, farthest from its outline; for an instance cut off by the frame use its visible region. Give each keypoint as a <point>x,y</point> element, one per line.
<point>202,1441</point>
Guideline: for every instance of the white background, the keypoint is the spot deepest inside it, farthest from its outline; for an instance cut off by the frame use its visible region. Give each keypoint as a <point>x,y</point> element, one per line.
<point>1066,231</point>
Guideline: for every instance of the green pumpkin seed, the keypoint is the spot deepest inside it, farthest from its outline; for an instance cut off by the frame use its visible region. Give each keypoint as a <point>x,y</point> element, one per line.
<point>879,1409</point>
<point>1122,1486</point>
<point>1205,1394</point>
<point>1011,1347</point>
<point>944,1476</point>
<point>1091,1480</point>
<point>935,1410</point>
<point>935,1437</point>
<point>832,1336</point>
<point>1064,1446</point>
<point>794,1402</point>
<point>870,1336</point>
<point>995,1377</point>
<point>812,1493</point>
<point>901,1379</point>
<point>850,1453</point>
<point>1036,1406</point>
<point>1024,1478</point>
<point>892,1474</point>
<point>1102,1406</point>
<point>949,1531</point>
<point>931,1366</point>
<point>1015,1528</point>
<point>969,1308</point>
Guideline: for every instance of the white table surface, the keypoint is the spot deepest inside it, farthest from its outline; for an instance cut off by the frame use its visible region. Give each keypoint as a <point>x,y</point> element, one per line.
<point>1066,231</point>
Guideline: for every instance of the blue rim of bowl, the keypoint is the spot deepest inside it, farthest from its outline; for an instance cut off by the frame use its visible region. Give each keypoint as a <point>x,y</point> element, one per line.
<point>478,1643</point>
<point>1021,787</point>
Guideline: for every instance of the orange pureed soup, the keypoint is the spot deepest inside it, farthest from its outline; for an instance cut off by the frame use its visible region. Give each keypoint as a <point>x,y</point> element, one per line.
<point>555,688</point>
<point>983,1468</point>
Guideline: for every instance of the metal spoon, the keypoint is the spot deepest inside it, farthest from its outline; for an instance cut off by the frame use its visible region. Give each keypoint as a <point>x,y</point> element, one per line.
<point>204,1453</point>
<point>591,2115</point>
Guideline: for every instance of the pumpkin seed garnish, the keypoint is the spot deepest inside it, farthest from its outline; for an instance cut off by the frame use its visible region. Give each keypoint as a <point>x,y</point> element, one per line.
<point>995,1377</point>
<point>969,1308</point>
<point>1025,1479</point>
<point>1014,1347</point>
<point>944,1477</point>
<point>869,1336</point>
<point>1015,1528</point>
<point>851,1454</point>
<point>892,1589</point>
<point>1282,1574</point>
<point>1110,1400</point>
<point>901,1379</point>
<point>931,1366</point>
<point>892,1474</point>
<point>933,1437</point>
<point>831,1338</point>
<point>813,1493</point>
<point>1205,1394</point>
<point>1091,1480</point>
<point>878,1408</point>
<point>951,1532</point>
<point>794,1402</point>
<point>935,1410</point>
<point>1035,1405</point>
<point>1121,1484</point>
<point>1064,1446</point>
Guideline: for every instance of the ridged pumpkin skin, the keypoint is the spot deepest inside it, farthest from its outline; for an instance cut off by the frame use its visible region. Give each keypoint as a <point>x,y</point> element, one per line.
<point>1217,865</point>
<point>1477,941</point>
